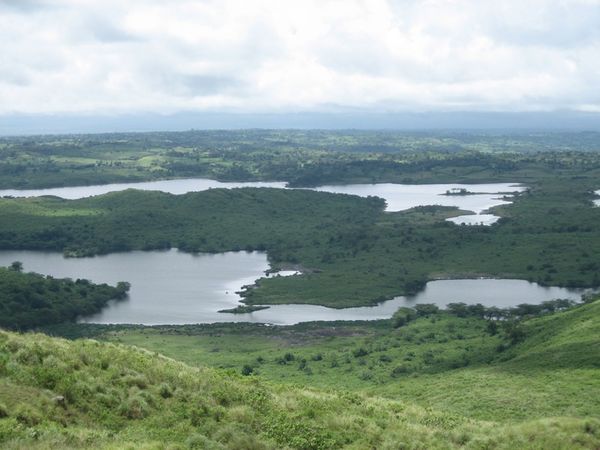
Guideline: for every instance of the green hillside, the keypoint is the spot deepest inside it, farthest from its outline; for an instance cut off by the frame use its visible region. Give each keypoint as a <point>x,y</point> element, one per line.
<point>445,362</point>
<point>56,393</point>
<point>556,369</point>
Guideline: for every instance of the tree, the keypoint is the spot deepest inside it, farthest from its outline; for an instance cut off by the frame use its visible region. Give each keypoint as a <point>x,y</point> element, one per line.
<point>17,266</point>
<point>426,309</point>
<point>402,316</point>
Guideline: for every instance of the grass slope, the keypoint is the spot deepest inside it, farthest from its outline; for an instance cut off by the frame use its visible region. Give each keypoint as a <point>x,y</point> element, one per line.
<point>85,394</point>
<point>443,362</point>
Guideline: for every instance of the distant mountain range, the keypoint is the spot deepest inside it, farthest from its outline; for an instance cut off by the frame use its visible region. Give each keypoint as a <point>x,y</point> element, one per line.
<point>24,124</point>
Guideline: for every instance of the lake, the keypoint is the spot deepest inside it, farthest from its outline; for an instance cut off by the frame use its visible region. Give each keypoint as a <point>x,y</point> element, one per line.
<point>404,196</point>
<point>172,287</point>
<point>398,196</point>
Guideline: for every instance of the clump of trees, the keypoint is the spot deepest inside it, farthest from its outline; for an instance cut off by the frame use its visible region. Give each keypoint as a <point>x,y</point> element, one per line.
<point>517,312</point>
<point>29,300</point>
<point>505,319</point>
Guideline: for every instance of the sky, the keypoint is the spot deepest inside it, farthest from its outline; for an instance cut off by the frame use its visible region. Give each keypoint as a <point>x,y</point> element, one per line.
<point>116,57</point>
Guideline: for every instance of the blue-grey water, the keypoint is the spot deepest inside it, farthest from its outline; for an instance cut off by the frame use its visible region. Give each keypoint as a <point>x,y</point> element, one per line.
<point>172,287</point>
<point>397,196</point>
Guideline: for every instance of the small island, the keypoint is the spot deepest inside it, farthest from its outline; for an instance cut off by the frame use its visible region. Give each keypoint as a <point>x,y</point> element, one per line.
<point>458,191</point>
<point>243,309</point>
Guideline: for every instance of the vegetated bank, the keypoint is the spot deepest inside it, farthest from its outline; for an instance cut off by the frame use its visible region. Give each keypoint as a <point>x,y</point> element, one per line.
<point>356,253</point>
<point>29,300</point>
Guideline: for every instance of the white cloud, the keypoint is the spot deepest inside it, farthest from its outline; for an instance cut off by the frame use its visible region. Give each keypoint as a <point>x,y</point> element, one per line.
<point>278,55</point>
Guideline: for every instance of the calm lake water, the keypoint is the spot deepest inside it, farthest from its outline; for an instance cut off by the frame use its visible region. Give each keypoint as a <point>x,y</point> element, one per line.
<point>404,196</point>
<point>172,287</point>
<point>398,196</point>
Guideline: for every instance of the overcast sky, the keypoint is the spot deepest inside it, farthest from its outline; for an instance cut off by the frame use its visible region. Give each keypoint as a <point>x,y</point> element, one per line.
<point>131,56</point>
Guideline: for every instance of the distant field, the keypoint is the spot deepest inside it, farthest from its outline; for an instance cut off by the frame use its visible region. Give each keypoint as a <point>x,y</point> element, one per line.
<point>300,157</point>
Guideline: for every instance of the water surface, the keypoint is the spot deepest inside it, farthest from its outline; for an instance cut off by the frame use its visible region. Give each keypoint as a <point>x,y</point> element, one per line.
<point>172,287</point>
<point>400,197</point>
<point>176,187</point>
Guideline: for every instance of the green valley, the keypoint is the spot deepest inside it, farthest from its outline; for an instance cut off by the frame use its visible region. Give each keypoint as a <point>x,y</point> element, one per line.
<point>468,376</point>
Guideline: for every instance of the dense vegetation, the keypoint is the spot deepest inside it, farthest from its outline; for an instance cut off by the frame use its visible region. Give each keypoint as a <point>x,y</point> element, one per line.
<point>86,394</point>
<point>28,300</point>
<point>352,252</point>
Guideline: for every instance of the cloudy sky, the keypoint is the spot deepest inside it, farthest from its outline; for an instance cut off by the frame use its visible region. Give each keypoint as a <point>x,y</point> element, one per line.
<point>116,56</point>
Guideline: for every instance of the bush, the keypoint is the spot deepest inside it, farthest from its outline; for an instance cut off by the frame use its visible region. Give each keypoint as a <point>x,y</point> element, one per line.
<point>3,411</point>
<point>136,380</point>
<point>165,391</point>
<point>27,416</point>
<point>134,408</point>
<point>399,370</point>
<point>402,316</point>
<point>426,309</point>
<point>201,442</point>
<point>385,358</point>
<point>360,352</point>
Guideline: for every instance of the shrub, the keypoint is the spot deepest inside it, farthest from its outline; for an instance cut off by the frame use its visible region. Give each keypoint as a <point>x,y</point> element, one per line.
<point>402,316</point>
<point>360,352</point>
<point>385,358</point>
<point>201,442</point>
<point>134,408</point>
<point>165,391</point>
<point>426,309</point>
<point>399,370</point>
<point>136,380</point>
<point>27,416</point>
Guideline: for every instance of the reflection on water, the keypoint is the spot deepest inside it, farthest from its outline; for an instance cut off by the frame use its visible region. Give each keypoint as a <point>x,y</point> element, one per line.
<point>172,287</point>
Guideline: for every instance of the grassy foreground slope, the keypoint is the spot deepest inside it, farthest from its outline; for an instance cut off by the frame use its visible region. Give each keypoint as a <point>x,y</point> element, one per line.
<point>444,362</point>
<point>555,369</point>
<point>86,394</point>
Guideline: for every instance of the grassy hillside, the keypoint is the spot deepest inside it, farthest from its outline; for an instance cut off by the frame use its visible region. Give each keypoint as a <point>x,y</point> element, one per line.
<point>85,394</point>
<point>445,362</point>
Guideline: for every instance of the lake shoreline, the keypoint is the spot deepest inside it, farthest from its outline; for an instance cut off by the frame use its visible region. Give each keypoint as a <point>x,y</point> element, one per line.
<point>172,287</point>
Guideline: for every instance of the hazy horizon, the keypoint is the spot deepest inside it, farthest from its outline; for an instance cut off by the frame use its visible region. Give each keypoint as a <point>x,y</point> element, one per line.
<point>71,66</point>
<point>465,121</point>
